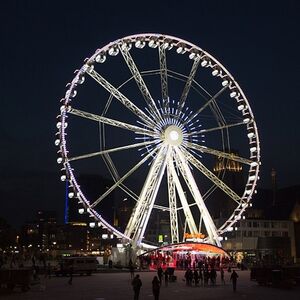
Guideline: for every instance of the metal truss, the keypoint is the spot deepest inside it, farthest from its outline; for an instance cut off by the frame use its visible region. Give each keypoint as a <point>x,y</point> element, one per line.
<point>172,205</point>
<point>225,188</point>
<point>218,153</point>
<point>123,178</point>
<point>140,82</point>
<point>185,205</point>
<point>190,181</point>
<point>111,122</point>
<point>163,77</point>
<point>118,95</point>
<point>207,103</point>
<point>139,218</point>
<point>187,86</point>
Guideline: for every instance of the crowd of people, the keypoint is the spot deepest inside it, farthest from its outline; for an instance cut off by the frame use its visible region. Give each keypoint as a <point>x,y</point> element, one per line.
<point>201,277</point>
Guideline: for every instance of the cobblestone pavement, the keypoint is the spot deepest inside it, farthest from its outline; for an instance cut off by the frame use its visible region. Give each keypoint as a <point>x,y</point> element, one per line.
<point>115,286</point>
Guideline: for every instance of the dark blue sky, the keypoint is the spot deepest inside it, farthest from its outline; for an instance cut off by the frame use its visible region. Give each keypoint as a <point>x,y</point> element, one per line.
<point>43,42</point>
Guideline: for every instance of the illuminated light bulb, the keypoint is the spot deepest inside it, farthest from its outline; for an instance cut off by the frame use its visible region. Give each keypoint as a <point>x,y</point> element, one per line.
<point>180,50</point>
<point>57,142</point>
<point>100,58</point>
<point>226,238</point>
<point>153,44</point>
<point>81,211</point>
<point>204,63</point>
<point>241,107</point>
<point>73,93</point>
<point>244,217</point>
<point>233,94</point>
<point>92,224</point>
<point>166,45</point>
<point>59,160</point>
<point>71,195</point>
<point>192,55</point>
<point>63,177</point>
<point>225,82</point>
<point>113,51</point>
<point>215,72</point>
<point>81,79</point>
<point>140,44</point>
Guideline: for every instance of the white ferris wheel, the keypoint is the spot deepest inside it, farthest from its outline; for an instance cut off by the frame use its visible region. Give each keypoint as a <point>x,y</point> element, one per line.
<point>155,113</point>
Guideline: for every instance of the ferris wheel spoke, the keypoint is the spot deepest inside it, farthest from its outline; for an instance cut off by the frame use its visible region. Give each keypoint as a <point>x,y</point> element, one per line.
<point>208,102</point>
<point>140,82</point>
<point>163,77</point>
<point>172,205</point>
<point>216,128</point>
<point>185,205</point>
<point>139,219</point>
<point>191,183</point>
<point>111,122</point>
<point>111,150</point>
<point>117,183</point>
<point>230,156</point>
<point>188,85</point>
<point>119,96</point>
<point>211,176</point>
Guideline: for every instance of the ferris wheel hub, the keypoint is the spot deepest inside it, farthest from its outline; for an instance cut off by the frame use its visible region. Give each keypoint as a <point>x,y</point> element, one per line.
<point>173,135</point>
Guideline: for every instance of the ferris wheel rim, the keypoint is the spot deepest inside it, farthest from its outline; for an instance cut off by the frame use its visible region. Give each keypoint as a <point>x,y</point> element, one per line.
<point>237,213</point>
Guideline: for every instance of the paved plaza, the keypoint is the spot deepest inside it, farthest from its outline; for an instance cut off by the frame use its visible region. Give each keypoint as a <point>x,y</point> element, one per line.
<point>115,286</point>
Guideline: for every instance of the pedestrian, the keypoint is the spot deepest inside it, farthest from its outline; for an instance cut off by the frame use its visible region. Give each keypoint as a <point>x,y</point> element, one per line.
<point>71,270</point>
<point>234,276</point>
<point>155,287</point>
<point>131,269</point>
<point>196,277</point>
<point>201,276</point>
<point>222,276</point>
<point>48,270</point>
<point>136,284</point>
<point>166,277</point>
<point>213,276</point>
<point>159,273</point>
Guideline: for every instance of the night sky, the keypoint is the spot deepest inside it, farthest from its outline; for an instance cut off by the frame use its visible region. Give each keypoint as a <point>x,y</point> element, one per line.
<point>43,42</point>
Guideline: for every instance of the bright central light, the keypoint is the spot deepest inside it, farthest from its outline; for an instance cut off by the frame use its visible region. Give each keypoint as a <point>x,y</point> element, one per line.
<point>174,136</point>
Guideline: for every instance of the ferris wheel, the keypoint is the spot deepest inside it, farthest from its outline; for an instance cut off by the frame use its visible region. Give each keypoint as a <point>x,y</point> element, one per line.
<point>156,113</point>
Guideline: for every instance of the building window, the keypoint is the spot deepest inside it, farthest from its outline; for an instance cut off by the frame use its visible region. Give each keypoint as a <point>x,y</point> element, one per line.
<point>249,224</point>
<point>255,224</point>
<point>266,225</point>
<point>267,233</point>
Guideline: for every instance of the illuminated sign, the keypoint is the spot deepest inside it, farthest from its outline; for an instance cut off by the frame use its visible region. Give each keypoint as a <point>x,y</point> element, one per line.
<point>160,238</point>
<point>194,236</point>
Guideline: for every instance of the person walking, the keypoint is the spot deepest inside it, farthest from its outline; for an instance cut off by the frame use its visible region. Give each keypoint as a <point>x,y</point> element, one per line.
<point>136,284</point>
<point>155,287</point>
<point>71,270</point>
<point>160,273</point>
<point>222,276</point>
<point>234,276</point>
<point>166,277</point>
<point>131,269</point>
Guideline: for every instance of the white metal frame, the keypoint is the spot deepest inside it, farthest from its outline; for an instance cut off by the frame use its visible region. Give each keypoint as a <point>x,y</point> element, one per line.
<point>171,152</point>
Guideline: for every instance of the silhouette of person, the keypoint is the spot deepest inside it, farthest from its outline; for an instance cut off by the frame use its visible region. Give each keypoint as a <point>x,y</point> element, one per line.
<point>136,284</point>
<point>155,287</point>
<point>71,270</point>
<point>234,276</point>
<point>159,273</point>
